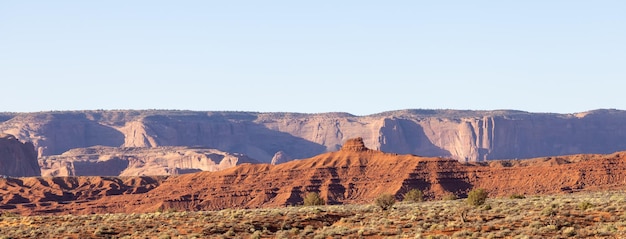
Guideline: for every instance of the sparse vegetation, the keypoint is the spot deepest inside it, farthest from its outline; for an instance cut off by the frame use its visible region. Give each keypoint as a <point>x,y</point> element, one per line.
<point>584,205</point>
<point>313,199</point>
<point>530,217</point>
<point>517,196</point>
<point>385,201</point>
<point>8,214</point>
<point>477,197</point>
<point>414,195</point>
<point>450,196</point>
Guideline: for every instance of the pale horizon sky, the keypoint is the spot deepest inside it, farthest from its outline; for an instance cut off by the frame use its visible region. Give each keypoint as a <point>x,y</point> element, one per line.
<point>360,57</point>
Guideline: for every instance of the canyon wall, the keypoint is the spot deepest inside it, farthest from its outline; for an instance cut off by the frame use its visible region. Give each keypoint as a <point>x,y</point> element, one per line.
<point>116,161</point>
<point>462,135</point>
<point>17,159</point>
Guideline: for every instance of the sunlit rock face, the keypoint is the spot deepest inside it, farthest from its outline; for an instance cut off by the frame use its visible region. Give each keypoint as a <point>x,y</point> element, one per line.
<point>117,161</point>
<point>462,135</point>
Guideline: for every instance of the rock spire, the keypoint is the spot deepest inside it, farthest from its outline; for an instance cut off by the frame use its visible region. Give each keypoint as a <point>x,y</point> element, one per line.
<point>354,145</point>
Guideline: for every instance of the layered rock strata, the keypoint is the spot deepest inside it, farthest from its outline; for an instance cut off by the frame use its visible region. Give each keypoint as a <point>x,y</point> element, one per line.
<point>17,159</point>
<point>461,135</point>
<point>113,161</point>
<point>354,174</point>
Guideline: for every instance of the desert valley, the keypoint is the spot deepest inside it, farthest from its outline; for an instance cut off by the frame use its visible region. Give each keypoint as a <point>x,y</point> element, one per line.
<point>188,174</point>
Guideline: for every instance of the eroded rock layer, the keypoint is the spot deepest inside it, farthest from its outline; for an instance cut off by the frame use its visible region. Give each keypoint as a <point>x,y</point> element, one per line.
<point>341,177</point>
<point>114,161</point>
<point>462,135</point>
<point>17,159</point>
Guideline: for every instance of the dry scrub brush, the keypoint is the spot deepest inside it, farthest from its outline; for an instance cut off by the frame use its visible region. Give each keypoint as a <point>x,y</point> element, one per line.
<point>385,201</point>
<point>414,195</point>
<point>477,197</point>
<point>313,199</point>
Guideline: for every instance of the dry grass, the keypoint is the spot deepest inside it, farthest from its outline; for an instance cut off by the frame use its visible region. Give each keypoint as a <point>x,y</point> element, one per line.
<point>582,215</point>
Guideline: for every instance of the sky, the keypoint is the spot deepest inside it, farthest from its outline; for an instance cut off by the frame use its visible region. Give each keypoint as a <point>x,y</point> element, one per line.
<point>360,57</point>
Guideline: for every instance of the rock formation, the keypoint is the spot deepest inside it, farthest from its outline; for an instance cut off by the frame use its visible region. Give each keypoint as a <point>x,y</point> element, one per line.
<point>462,135</point>
<point>354,174</point>
<point>55,133</point>
<point>43,195</point>
<point>113,161</point>
<point>17,159</point>
<point>280,157</point>
<point>354,145</point>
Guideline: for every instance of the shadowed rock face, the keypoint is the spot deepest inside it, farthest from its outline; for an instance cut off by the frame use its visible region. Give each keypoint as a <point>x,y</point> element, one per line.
<point>55,133</point>
<point>342,177</point>
<point>17,159</point>
<point>461,135</point>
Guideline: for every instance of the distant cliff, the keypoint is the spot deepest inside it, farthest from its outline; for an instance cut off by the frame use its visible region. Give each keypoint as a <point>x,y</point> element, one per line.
<point>115,161</point>
<point>462,135</point>
<point>17,159</point>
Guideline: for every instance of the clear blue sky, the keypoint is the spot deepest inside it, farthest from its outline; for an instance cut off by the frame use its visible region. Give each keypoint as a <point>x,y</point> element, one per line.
<point>360,57</point>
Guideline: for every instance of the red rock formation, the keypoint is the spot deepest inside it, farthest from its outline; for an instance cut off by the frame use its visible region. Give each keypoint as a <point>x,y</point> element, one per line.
<point>352,175</point>
<point>37,195</point>
<point>354,145</point>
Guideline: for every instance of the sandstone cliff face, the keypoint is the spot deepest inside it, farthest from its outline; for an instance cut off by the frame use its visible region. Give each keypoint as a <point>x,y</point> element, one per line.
<point>462,135</point>
<point>55,133</point>
<point>17,159</point>
<point>280,157</point>
<point>110,161</point>
<point>226,132</point>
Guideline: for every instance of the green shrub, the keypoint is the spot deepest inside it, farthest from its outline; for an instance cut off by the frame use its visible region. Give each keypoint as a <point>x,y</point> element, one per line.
<point>414,195</point>
<point>450,197</point>
<point>165,236</point>
<point>548,211</point>
<point>477,197</point>
<point>385,201</point>
<point>9,214</point>
<point>313,199</point>
<point>584,205</point>
<point>569,231</point>
<point>517,196</point>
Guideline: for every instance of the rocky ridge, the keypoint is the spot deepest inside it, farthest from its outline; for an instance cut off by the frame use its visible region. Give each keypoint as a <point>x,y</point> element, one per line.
<point>353,174</point>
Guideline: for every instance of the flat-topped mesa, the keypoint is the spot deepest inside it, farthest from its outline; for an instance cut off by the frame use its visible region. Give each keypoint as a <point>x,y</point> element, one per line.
<point>354,145</point>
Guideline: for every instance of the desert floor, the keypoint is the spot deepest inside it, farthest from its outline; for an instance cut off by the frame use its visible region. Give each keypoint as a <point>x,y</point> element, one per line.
<point>578,215</point>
